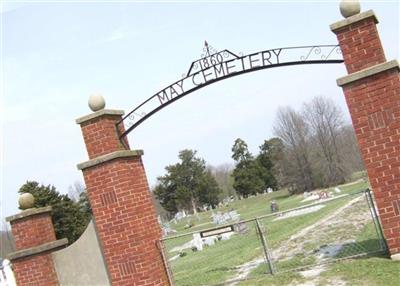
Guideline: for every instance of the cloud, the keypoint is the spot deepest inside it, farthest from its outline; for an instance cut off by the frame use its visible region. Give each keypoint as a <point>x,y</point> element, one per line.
<point>117,34</point>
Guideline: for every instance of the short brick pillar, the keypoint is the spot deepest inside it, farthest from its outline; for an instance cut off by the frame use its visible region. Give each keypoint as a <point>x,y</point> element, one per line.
<point>123,211</point>
<point>35,239</point>
<point>372,91</point>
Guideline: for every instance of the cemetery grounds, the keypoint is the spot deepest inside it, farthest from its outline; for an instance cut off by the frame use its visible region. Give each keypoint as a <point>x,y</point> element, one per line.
<point>294,247</point>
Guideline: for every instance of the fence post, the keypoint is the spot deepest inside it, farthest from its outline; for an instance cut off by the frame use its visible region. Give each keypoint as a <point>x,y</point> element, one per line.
<point>375,219</point>
<point>265,248</point>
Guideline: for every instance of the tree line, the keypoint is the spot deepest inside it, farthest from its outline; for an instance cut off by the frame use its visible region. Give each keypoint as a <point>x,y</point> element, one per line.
<point>318,149</point>
<point>312,148</point>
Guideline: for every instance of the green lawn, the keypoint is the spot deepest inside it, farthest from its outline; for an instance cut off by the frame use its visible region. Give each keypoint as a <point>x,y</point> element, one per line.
<point>367,271</point>
<point>217,263</point>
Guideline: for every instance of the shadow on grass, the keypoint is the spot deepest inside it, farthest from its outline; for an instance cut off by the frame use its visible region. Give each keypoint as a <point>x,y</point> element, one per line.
<point>369,247</point>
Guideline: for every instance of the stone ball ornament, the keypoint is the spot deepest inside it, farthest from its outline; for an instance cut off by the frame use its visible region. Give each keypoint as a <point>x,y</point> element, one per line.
<point>96,102</point>
<point>349,8</point>
<point>26,201</point>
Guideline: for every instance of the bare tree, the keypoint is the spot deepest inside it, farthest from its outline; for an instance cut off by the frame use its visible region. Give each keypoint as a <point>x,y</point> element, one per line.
<point>349,149</point>
<point>293,130</point>
<point>319,150</point>
<point>6,240</point>
<point>75,190</point>
<point>223,175</point>
<point>325,120</point>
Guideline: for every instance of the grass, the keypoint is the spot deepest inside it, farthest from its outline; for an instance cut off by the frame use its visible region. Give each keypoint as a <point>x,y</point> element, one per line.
<point>376,271</point>
<point>219,262</point>
<point>367,271</point>
<point>254,207</point>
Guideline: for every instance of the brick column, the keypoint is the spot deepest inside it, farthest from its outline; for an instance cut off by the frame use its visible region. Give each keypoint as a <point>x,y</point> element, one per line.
<point>123,211</point>
<point>35,239</point>
<point>372,91</point>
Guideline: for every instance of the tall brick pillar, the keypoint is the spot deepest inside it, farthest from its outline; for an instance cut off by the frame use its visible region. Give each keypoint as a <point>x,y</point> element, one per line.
<point>372,91</point>
<point>35,239</point>
<point>123,211</point>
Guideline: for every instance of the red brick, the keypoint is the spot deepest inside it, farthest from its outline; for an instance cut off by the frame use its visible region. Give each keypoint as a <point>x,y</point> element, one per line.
<point>374,106</point>
<point>123,209</point>
<point>35,270</point>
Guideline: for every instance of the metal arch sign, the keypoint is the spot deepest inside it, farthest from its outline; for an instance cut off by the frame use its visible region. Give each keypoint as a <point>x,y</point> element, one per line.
<point>214,66</point>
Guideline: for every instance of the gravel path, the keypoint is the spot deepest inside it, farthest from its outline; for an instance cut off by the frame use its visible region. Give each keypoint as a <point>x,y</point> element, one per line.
<point>346,217</point>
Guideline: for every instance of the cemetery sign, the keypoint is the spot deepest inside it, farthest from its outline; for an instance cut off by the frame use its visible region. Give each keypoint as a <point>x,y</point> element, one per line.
<point>216,231</point>
<point>216,65</point>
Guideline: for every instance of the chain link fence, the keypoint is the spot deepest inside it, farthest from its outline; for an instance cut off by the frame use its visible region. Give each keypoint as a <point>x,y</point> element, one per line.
<point>328,230</point>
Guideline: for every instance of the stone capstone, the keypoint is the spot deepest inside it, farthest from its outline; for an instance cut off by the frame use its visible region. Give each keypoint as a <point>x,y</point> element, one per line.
<point>349,8</point>
<point>26,201</point>
<point>96,102</point>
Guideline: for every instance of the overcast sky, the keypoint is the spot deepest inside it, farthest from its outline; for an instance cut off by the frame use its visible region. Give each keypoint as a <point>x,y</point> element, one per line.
<point>55,55</point>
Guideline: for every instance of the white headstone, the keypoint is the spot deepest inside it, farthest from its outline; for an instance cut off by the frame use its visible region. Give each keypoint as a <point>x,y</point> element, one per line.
<point>197,241</point>
<point>9,273</point>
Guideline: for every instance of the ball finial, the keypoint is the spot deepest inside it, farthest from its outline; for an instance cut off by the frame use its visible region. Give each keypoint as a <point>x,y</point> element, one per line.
<point>96,102</point>
<point>349,8</point>
<point>26,201</point>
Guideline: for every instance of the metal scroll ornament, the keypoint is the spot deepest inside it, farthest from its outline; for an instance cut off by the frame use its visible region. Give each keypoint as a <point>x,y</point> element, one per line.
<point>215,65</point>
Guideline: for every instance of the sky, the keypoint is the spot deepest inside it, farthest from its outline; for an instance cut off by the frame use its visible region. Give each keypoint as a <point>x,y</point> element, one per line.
<point>56,54</point>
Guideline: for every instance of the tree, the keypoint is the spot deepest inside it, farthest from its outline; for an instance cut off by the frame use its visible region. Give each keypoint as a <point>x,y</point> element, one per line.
<point>247,173</point>
<point>277,157</point>
<point>317,150</point>
<point>291,127</point>
<point>264,159</point>
<point>75,190</point>
<point>70,219</point>
<point>6,241</point>
<point>187,184</point>
<point>349,149</point>
<point>78,194</point>
<point>326,121</point>
<point>223,176</point>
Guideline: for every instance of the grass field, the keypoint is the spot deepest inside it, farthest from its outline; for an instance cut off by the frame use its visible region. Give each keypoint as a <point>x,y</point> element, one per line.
<point>222,261</point>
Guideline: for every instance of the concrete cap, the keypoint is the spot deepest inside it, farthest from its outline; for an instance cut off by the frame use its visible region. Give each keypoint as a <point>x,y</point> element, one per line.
<point>54,245</point>
<point>368,72</point>
<point>99,113</point>
<point>109,157</point>
<point>353,19</point>
<point>28,213</point>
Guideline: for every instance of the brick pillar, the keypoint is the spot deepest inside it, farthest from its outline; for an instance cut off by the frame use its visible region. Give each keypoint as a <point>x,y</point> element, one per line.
<point>123,211</point>
<point>35,239</point>
<point>372,91</point>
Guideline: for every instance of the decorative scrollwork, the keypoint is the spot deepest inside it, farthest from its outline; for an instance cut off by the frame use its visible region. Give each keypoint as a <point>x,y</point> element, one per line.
<point>315,49</point>
<point>132,118</point>
<point>130,121</point>
<point>336,49</point>
<point>217,66</point>
<point>208,50</point>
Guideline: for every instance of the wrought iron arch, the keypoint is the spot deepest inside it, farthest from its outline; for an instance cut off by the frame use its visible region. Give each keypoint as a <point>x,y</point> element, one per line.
<point>214,66</point>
